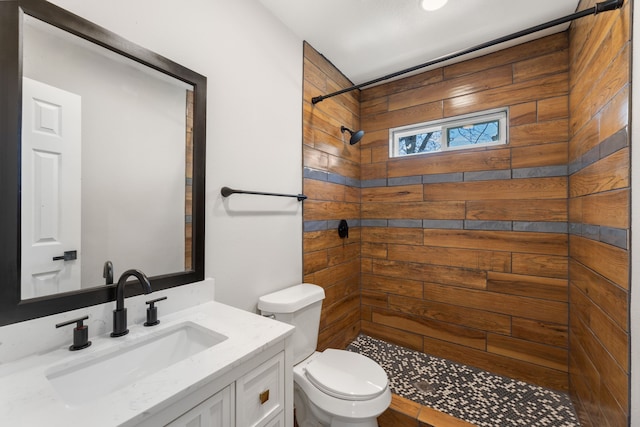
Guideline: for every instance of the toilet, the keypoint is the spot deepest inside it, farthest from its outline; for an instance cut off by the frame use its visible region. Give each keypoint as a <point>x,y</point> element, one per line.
<point>335,388</point>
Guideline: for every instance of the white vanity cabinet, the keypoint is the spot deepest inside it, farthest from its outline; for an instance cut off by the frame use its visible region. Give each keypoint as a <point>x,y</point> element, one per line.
<point>258,397</point>
<point>253,394</point>
<point>260,393</point>
<point>216,411</point>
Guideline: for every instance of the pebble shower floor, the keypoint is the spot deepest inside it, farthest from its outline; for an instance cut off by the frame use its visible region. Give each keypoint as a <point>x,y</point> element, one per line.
<point>467,393</point>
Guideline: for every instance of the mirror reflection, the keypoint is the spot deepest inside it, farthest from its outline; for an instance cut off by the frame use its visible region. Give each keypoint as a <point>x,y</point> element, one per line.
<point>106,165</point>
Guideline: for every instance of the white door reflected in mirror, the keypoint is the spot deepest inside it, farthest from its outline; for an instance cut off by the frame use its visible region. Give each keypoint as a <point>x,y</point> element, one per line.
<point>51,177</point>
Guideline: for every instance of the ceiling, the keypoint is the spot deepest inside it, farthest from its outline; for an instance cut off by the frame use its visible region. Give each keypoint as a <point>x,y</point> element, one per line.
<point>368,39</point>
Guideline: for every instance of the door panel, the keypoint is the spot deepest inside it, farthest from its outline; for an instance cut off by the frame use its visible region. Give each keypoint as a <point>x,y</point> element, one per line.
<point>51,189</point>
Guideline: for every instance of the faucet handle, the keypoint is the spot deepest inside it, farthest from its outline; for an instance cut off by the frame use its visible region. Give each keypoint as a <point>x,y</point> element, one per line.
<point>152,312</point>
<point>80,333</point>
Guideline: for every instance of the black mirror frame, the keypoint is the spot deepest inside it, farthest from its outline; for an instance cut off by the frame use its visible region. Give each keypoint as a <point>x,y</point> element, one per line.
<point>12,309</point>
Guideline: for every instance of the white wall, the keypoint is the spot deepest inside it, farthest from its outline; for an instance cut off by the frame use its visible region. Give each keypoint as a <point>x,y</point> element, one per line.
<point>253,67</point>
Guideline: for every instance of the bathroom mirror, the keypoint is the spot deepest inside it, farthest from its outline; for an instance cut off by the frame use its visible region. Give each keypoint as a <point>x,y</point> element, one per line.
<point>102,163</point>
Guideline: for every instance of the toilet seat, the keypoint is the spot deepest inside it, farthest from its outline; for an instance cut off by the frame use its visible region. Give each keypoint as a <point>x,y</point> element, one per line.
<point>346,375</point>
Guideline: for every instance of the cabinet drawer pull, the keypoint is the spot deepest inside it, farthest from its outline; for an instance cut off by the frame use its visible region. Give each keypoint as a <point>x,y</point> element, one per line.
<point>264,396</point>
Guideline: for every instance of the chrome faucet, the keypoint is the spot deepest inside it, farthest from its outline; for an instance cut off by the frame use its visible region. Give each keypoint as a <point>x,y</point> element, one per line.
<point>120,313</point>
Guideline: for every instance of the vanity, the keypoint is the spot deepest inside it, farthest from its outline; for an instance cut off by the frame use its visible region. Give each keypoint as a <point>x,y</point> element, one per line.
<point>208,365</point>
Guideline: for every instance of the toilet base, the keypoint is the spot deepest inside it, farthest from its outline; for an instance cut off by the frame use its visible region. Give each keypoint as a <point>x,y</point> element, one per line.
<point>309,415</point>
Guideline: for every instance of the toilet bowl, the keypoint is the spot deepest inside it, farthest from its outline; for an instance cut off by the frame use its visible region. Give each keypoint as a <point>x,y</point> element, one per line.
<point>340,388</point>
<point>335,388</point>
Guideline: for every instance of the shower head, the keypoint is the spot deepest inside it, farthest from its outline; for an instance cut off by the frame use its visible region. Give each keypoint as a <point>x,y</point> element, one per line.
<point>355,136</point>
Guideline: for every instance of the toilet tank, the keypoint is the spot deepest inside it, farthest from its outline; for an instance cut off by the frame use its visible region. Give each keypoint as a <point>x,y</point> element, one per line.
<point>299,306</point>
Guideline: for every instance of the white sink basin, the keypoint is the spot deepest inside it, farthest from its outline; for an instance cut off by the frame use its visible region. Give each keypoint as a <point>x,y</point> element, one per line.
<point>90,379</point>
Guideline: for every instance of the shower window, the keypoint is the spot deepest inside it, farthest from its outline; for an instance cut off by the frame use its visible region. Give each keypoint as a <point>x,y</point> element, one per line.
<point>484,128</point>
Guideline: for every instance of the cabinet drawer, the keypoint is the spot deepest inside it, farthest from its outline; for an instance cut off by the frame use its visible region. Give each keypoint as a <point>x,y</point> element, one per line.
<point>259,394</point>
<point>216,411</point>
<point>278,421</point>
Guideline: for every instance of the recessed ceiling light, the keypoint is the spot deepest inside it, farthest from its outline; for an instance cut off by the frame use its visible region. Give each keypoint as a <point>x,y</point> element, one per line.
<point>431,5</point>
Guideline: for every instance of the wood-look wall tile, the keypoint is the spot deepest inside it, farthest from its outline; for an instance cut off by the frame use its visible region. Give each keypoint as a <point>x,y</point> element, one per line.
<point>352,195</point>
<point>340,333</point>
<point>418,114</point>
<point>612,299</point>
<point>509,241</point>
<point>540,265</point>
<point>528,91</point>
<point>431,328</point>
<point>605,86</point>
<point>584,139</point>
<point>553,334</point>
<point>610,173</point>
<point>318,240</point>
<point>532,308</point>
<point>396,336</point>
<point>612,337</point>
<point>455,257</point>
<point>348,252</point>
<point>615,114</point>
<point>545,65</point>
<point>540,155</point>
<point>373,171</point>
<point>463,316</point>
<point>539,354</point>
<point>612,376</point>
<point>373,299</point>
<point>314,261</point>
<point>512,189</point>
<point>553,108</point>
<point>475,279</point>
<point>535,48</point>
<point>325,66</point>
<point>345,167</point>
<point>528,286</point>
<point>609,209</point>
<point>468,161</point>
<point>342,288</point>
<point>401,193</point>
<point>323,190</point>
<point>408,236</point>
<point>373,106</point>
<point>539,133</point>
<point>412,82</point>
<point>374,250</point>
<point>338,273</point>
<point>517,210</point>
<point>472,83</point>
<point>414,210</point>
<point>321,210</point>
<point>609,261</point>
<point>375,138</point>
<point>315,159</point>
<point>522,114</point>
<point>342,309</point>
<point>394,286</point>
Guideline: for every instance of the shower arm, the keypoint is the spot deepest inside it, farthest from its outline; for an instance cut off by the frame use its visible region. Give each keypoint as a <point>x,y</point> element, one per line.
<point>598,8</point>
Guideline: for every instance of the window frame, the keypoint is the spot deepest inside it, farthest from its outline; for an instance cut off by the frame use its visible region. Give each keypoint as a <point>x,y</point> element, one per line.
<point>443,125</point>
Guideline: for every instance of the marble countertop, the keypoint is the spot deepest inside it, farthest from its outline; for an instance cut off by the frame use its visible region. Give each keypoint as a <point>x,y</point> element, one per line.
<point>27,398</point>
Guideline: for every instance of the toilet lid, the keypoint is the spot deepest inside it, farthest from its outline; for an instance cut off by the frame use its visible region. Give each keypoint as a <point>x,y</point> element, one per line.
<point>346,375</point>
